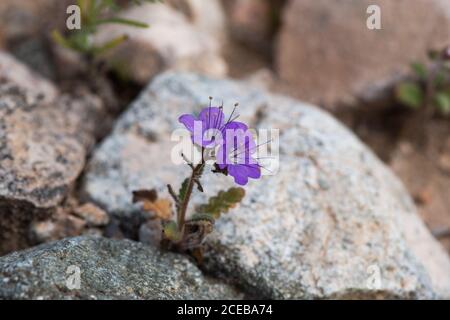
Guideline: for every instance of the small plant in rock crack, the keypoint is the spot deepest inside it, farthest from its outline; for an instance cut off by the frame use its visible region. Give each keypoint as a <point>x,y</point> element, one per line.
<point>430,92</point>
<point>233,153</point>
<point>95,13</point>
<point>92,66</point>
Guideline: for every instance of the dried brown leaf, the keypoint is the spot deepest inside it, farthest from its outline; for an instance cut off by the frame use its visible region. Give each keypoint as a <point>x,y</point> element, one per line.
<point>162,208</point>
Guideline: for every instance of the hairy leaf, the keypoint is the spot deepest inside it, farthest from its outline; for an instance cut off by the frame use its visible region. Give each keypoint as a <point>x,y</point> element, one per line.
<point>222,202</point>
<point>202,216</point>
<point>183,190</point>
<point>171,232</point>
<point>442,101</point>
<point>410,94</point>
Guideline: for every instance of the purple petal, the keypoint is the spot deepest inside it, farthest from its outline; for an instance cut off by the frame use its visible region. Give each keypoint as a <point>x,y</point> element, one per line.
<point>253,171</point>
<point>235,125</point>
<point>212,117</point>
<point>238,173</point>
<point>188,121</point>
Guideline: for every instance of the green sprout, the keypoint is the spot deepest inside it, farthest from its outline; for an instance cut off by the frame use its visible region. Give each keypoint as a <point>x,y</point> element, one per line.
<point>430,91</point>
<point>94,13</point>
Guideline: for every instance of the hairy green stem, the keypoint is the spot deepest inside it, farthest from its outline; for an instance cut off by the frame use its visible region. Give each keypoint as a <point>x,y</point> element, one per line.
<point>196,173</point>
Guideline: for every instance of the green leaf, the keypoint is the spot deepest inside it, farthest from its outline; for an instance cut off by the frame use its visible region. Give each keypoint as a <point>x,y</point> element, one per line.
<point>222,203</point>
<point>410,94</point>
<point>92,12</point>
<point>183,190</point>
<point>442,101</point>
<point>128,22</point>
<point>201,217</point>
<point>171,232</point>
<point>419,69</point>
<point>111,44</point>
<point>59,39</point>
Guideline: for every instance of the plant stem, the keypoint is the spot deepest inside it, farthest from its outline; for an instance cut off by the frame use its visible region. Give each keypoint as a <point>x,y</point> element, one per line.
<point>196,172</point>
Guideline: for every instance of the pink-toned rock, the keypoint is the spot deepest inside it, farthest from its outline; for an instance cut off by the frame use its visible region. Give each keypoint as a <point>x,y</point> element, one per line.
<point>25,18</point>
<point>44,140</point>
<point>18,74</point>
<point>252,21</point>
<point>170,42</point>
<point>92,214</point>
<point>327,55</point>
<point>61,225</point>
<point>207,16</point>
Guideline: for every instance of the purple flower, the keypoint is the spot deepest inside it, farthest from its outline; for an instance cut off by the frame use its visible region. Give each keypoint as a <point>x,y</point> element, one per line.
<point>235,142</point>
<point>235,153</point>
<point>206,128</point>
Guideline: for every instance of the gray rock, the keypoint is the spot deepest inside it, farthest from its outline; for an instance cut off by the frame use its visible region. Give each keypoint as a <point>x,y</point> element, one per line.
<point>15,72</point>
<point>44,139</point>
<point>325,225</point>
<point>109,269</point>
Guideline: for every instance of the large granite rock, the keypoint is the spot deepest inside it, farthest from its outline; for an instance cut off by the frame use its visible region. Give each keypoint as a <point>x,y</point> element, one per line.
<point>25,27</point>
<point>172,41</point>
<point>108,269</point>
<point>18,74</point>
<point>44,139</point>
<point>328,56</point>
<point>325,225</point>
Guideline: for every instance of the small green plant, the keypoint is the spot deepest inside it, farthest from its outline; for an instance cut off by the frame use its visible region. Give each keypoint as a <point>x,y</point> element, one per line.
<point>95,13</point>
<point>430,91</point>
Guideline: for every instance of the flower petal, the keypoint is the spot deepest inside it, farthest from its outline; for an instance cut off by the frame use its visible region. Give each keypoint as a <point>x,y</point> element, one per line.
<point>238,173</point>
<point>212,117</point>
<point>188,121</point>
<point>253,171</point>
<point>235,125</point>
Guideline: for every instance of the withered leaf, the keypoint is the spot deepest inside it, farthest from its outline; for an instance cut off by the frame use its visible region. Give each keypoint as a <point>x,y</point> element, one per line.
<point>143,195</point>
<point>162,208</point>
<point>195,232</point>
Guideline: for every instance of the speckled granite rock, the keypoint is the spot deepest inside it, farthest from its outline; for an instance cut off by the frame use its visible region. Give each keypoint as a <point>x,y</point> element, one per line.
<point>17,73</point>
<point>109,269</point>
<point>44,139</point>
<point>322,227</point>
